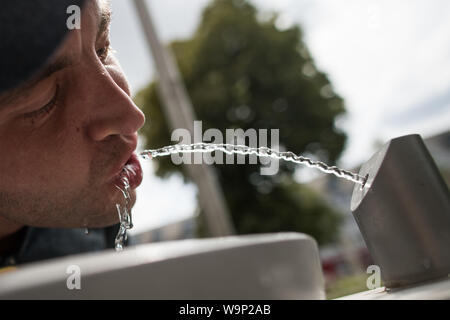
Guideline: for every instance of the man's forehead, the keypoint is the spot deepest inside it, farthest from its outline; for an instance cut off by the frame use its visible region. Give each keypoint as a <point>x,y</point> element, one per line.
<point>105,17</point>
<point>59,59</point>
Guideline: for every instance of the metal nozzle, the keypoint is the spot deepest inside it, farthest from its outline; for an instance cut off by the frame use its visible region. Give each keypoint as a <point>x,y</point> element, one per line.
<point>403,213</point>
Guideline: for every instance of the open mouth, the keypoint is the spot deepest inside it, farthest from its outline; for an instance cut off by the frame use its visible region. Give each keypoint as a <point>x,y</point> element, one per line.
<point>132,171</point>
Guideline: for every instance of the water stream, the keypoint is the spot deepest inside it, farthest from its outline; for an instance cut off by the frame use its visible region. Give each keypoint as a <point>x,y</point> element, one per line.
<point>124,210</point>
<point>261,152</point>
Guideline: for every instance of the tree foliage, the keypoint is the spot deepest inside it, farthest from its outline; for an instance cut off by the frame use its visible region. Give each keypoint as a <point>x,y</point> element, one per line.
<point>242,72</point>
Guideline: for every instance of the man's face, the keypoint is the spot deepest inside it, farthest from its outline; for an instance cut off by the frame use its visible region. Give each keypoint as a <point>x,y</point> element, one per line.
<point>65,139</point>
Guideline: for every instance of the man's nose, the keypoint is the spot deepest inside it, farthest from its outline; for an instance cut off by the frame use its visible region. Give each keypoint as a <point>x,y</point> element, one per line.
<point>115,113</point>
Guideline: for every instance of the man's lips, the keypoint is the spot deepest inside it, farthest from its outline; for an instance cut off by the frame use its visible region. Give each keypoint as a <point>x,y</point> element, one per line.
<point>132,171</point>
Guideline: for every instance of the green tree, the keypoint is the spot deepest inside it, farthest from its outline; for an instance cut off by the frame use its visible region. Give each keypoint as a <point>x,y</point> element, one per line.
<point>241,72</point>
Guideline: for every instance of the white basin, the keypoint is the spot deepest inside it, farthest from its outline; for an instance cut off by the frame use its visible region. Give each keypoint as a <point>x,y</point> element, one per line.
<point>264,266</point>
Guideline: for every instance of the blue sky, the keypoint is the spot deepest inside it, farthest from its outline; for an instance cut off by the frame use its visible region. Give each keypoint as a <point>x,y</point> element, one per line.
<point>389,60</point>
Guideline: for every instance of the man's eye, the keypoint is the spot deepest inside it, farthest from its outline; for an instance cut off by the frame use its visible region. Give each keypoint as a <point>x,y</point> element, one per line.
<point>103,52</point>
<point>46,109</point>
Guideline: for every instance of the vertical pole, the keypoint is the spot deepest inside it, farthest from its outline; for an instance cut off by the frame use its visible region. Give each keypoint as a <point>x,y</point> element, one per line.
<point>179,113</point>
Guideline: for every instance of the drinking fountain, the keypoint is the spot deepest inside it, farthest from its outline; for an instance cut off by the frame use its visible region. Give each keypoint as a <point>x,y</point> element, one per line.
<point>402,210</point>
<point>403,213</point>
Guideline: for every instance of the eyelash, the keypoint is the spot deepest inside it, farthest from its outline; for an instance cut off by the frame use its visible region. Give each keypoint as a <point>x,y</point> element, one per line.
<point>45,109</point>
<point>104,52</point>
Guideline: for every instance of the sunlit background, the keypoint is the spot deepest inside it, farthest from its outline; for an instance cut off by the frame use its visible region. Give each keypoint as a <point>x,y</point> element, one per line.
<point>388,60</point>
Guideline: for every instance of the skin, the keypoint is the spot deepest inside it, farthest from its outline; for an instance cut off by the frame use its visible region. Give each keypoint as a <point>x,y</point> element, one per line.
<point>61,161</point>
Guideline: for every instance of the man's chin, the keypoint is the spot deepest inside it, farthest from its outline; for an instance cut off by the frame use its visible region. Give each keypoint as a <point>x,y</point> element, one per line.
<point>101,221</point>
<point>110,215</point>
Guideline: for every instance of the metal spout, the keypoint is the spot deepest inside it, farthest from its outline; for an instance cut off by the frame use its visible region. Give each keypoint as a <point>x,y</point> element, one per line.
<point>403,213</point>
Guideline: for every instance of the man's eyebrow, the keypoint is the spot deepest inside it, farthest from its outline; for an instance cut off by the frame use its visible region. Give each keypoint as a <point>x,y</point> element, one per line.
<point>53,67</point>
<point>46,72</point>
<point>105,18</point>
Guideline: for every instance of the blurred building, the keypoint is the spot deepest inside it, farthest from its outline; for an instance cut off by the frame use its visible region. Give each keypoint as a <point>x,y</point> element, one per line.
<point>439,147</point>
<point>182,229</point>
